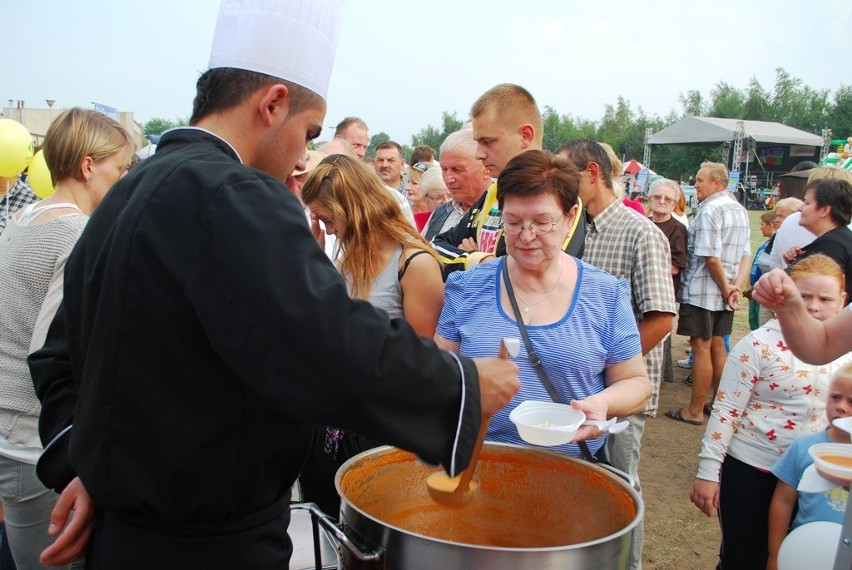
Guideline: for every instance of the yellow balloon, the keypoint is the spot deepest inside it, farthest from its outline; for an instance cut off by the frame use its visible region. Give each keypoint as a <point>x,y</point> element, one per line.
<point>16,148</point>
<point>38,176</point>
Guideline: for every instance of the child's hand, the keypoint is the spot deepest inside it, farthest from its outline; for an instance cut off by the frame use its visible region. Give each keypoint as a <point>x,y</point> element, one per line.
<point>705,496</point>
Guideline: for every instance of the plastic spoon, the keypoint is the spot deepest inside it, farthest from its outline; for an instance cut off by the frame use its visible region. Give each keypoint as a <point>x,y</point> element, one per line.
<point>460,490</point>
<point>611,425</point>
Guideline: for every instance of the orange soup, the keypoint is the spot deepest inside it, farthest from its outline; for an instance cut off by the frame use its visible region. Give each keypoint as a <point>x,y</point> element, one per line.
<point>840,460</point>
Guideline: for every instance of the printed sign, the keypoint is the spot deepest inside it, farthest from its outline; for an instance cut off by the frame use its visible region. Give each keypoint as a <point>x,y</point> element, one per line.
<point>733,180</point>
<point>110,112</point>
<point>798,150</point>
<point>641,181</point>
<point>771,155</point>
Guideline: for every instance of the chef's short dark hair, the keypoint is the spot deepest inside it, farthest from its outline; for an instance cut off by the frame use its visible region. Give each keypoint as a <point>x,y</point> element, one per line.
<point>225,87</point>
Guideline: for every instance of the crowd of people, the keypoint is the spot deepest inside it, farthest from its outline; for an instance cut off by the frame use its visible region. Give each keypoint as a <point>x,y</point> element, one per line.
<point>240,312</point>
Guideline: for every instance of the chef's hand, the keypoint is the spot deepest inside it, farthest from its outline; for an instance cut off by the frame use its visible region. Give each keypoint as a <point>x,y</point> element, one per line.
<point>776,290</point>
<point>498,382</point>
<point>71,522</point>
<point>705,496</point>
<point>595,408</point>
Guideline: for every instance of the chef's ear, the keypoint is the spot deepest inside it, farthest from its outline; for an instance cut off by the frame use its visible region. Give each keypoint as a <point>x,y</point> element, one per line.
<point>274,103</point>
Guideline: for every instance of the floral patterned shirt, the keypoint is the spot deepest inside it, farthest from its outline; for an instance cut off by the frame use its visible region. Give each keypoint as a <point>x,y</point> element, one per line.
<point>767,398</point>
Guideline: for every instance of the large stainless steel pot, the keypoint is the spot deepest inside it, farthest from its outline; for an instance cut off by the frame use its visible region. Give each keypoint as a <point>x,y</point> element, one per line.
<point>535,509</point>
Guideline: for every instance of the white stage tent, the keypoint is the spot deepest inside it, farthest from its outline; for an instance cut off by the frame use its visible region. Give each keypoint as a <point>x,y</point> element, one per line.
<point>697,130</point>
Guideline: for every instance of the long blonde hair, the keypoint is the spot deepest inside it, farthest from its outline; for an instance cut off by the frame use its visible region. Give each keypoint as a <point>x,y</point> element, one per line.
<point>355,194</point>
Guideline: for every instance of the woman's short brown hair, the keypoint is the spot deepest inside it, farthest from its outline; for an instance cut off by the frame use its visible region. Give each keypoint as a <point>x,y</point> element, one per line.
<point>537,172</point>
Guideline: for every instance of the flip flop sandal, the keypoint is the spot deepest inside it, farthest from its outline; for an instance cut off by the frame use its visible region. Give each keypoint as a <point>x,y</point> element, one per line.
<point>677,415</point>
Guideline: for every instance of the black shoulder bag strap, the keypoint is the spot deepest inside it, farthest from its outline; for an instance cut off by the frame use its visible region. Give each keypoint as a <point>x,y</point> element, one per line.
<point>534,359</point>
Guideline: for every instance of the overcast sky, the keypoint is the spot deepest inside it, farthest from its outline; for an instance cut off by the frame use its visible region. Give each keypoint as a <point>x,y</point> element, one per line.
<point>400,64</point>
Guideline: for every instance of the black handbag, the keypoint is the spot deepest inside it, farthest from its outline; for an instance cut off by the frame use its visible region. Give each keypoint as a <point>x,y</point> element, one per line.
<point>601,456</point>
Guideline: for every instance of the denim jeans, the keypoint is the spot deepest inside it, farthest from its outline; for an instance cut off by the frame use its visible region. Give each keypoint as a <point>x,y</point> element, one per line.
<point>26,506</point>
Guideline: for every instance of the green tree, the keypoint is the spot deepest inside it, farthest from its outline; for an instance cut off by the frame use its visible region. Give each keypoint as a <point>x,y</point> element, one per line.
<point>840,117</point>
<point>726,101</point>
<point>158,126</point>
<point>433,137</point>
<point>791,102</point>
<point>757,104</point>
<point>797,105</point>
<point>617,125</point>
<point>375,141</point>
<point>559,129</point>
<point>693,103</point>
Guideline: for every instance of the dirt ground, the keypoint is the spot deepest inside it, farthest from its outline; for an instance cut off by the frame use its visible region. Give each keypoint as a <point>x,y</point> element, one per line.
<point>677,534</point>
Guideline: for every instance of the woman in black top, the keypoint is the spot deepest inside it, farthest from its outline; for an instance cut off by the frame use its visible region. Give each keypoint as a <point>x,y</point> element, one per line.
<point>826,213</point>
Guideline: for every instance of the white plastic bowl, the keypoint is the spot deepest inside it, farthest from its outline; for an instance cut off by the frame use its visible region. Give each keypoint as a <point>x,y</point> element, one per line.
<point>844,423</point>
<point>834,472</point>
<point>546,423</point>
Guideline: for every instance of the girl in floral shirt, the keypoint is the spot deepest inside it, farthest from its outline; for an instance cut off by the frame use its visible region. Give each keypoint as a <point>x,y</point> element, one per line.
<point>766,398</point>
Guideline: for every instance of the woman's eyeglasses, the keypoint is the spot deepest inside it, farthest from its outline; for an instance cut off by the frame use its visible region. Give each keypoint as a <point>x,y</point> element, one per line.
<point>422,167</point>
<point>661,198</point>
<point>511,228</point>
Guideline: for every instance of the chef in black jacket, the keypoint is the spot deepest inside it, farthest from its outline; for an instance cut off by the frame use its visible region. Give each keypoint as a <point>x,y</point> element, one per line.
<point>205,329</point>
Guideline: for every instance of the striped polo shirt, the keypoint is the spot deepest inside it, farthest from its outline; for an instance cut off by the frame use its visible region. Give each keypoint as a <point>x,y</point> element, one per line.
<point>598,329</point>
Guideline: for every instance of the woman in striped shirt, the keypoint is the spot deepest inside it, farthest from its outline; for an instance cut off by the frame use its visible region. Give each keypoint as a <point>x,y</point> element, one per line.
<point>578,318</point>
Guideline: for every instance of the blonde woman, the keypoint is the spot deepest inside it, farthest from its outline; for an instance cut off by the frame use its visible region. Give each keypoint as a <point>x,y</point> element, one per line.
<point>86,152</point>
<point>419,207</point>
<point>384,261</point>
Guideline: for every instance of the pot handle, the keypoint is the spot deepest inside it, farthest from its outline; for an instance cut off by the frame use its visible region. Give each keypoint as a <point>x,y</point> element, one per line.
<point>317,516</point>
<point>620,473</point>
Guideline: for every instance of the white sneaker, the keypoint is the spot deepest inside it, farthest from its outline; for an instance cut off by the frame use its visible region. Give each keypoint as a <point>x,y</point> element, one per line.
<point>684,363</point>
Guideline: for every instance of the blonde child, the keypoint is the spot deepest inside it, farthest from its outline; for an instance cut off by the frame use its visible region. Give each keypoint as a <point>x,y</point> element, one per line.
<point>827,505</point>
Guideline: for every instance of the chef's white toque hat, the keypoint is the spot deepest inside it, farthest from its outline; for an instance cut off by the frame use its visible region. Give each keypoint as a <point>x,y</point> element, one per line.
<point>295,40</point>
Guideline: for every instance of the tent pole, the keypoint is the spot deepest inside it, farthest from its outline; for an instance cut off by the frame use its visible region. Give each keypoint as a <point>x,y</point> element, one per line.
<point>738,147</point>
<point>646,156</point>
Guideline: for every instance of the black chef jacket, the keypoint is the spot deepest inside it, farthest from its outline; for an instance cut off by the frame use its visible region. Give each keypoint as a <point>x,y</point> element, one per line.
<point>206,330</point>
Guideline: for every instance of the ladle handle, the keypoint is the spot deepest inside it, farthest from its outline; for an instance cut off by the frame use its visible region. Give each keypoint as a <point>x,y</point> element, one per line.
<point>467,474</point>
<point>508,349</point>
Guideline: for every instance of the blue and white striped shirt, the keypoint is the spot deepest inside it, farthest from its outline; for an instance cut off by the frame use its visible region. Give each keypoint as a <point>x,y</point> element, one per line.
<point>598,329</point>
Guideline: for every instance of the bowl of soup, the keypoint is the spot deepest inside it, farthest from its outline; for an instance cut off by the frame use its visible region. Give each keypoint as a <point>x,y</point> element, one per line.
<point>546,423</point>
<point>833,461</point>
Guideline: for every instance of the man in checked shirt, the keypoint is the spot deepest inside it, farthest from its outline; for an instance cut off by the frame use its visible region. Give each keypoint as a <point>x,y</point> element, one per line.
<point>627,245</point>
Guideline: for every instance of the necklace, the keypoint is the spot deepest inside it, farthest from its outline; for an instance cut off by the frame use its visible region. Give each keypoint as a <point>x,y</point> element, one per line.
<point>548,295</point>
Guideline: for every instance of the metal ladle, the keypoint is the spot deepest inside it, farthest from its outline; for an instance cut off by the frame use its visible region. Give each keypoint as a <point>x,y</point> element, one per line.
<point>460,490</point>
